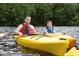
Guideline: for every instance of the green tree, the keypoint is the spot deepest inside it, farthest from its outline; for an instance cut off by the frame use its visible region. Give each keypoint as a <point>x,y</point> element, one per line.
<point>13,14</point>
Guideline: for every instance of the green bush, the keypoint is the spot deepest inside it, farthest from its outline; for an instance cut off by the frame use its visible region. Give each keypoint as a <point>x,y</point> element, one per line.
<point>61,14</point>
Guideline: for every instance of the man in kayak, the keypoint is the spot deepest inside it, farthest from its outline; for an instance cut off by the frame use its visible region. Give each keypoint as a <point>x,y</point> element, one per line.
<point>49,27</point>
<point>26,28</point>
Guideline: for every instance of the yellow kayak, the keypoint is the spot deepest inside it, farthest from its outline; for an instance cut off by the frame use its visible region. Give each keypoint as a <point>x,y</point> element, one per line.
<point>72,52</point>
<point>55,46</point>
<point>71,40</point>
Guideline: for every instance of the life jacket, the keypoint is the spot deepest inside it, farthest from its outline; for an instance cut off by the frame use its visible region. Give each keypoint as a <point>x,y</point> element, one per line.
<point>26,30</point>
<point>50,30</point>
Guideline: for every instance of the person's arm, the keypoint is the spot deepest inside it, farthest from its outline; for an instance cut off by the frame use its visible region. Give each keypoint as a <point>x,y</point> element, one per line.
<point>34,31</point>
<point>54,30</point>
<point>18,29</point>
<point>45,31</point>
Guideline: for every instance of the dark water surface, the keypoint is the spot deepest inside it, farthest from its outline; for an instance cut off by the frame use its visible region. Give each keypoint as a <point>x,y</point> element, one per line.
<point>8,46</point>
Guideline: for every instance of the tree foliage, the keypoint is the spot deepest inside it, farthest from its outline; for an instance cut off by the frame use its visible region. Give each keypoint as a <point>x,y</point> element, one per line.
<point>60,14</point>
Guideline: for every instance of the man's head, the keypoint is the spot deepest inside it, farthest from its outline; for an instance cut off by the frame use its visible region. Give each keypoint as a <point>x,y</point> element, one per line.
<point>49,23</point>
<point>28,19</point>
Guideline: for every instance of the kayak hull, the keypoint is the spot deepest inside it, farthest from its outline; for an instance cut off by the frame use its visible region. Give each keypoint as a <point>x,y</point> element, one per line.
<point>72,40</point>
<point>53,46</point>
<point>72,52</point>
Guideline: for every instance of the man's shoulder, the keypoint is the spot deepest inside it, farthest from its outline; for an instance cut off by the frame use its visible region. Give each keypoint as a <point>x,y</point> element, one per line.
<point>20,25</point>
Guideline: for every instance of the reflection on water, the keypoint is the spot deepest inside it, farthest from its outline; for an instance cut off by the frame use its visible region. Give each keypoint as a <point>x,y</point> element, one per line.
<point>9,48</point>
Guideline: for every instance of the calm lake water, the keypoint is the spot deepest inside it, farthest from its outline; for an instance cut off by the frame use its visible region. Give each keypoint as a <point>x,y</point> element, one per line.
<point>70,30</point>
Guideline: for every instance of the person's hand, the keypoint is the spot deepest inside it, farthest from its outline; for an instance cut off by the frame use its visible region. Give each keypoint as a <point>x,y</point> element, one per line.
<point>42,33</point>
<point>20,34</point>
